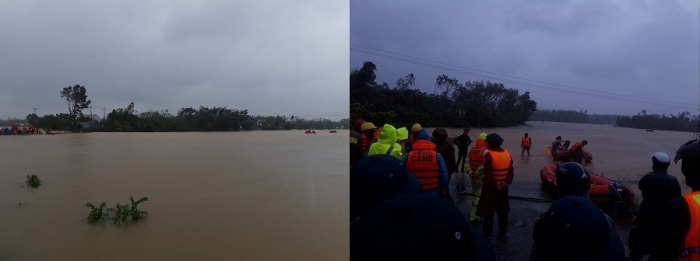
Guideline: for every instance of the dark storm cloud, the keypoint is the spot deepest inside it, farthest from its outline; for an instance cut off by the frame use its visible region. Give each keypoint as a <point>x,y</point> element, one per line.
<point>641,48</point>
<point>265,56</point>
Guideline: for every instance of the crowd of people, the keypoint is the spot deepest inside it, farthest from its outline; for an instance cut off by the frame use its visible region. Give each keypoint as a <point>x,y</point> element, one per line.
<point>401,207</point>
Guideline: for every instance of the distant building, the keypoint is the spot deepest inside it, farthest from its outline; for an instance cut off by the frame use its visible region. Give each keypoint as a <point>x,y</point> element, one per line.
<point>93,117</point>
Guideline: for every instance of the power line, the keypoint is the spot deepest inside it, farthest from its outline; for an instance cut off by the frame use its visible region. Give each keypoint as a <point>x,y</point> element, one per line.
<point>520,78</point>
<point>580,91</point>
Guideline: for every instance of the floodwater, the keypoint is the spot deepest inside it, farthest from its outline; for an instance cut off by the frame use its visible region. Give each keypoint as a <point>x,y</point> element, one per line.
<point>620,154</point>
<point>263,195</point>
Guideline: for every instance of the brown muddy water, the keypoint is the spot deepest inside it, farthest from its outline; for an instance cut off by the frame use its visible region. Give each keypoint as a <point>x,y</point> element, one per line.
<point>264,195</point>
<point>620,154</point>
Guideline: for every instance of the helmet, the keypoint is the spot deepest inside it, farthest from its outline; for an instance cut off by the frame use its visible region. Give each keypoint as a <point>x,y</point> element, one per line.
<point>660,159</point>
<point>494,139</point>
<point>368,126</point>
<point>357,125</point>
<point>573,179</point>
<point>416,127</point>
<point>482,136</point>
<point>689,153</point>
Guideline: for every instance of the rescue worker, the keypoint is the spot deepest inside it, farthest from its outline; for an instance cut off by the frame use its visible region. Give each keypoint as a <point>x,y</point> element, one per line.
<point>576,152</point>
<point>525,143</point>
<point>370,135</point>
<point>473,164</point>
<point>556,144</point>
<point>376,178</point>
<point>658,188</point>
<point>680,234</point>
<point>574,228</point>
<point>415,129</point>
<point>498,174</point>
<point>462,141</point>
<point>403,137</point>
<point>416,226</point>
<point>427,165</point>
<point>448,154</point>
<point>386,143</point>
<point>356,152</point>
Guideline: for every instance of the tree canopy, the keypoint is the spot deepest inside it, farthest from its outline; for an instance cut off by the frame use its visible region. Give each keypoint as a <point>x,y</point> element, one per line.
<point>453,104</point>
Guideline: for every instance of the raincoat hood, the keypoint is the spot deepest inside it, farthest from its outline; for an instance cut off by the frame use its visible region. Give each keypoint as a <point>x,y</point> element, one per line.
<point>481,141</point>
<point>388,135</point>
<point>403,133</point>
<point>423,135</point>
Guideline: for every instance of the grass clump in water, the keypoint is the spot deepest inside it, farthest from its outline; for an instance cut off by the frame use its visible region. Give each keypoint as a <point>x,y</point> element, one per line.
<point>33,181</point>
<point>96,213</point>
<point>122,212</point>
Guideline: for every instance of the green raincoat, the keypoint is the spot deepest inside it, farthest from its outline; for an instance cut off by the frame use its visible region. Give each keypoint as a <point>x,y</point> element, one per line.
<point>386,143</point>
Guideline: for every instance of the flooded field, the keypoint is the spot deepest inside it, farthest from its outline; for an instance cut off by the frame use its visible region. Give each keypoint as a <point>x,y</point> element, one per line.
<point>268,195</point>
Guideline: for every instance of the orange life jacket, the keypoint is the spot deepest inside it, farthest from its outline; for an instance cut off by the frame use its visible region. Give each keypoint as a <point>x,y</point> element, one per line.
<point>691,244</point>
<point>526,142</point>
<point>500,163</point>
<point>577,146</point>
<point>476,157</point>
<point>422,162</point>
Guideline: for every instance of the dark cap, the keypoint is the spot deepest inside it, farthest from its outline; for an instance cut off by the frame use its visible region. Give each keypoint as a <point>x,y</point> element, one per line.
<point>576,229</point>
<point>494,139</point>
<point>573,179</point>
<point>416,226</point>
<point>376,178</point>
<point>439,132</point>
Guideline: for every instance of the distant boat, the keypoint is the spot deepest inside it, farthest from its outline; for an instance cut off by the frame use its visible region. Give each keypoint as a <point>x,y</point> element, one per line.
<point>650,130</point>
<point>332,131</point>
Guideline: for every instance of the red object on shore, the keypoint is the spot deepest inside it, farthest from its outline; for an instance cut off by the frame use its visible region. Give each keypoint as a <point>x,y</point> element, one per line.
<point>603,192</point>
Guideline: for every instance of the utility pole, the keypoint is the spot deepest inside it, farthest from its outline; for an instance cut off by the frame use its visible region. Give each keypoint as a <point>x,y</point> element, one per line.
<point>91,117</point>
<point>34,110</point>
<point>103,113</point>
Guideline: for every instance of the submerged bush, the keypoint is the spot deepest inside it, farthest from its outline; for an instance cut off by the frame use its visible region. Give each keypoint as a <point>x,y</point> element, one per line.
<point>121,212</point>
<point>96,213</point>
<point>33,181</point>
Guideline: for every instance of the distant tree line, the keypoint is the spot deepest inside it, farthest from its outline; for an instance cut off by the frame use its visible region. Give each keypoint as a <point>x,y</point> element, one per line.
<point>580,116</point>
<point>288,123</point>
<point>187,119</point>
<point>473,103</point>
<point>681,122</point>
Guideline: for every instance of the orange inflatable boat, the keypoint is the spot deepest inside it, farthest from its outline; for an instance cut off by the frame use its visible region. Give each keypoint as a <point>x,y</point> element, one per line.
<point>603,192</point>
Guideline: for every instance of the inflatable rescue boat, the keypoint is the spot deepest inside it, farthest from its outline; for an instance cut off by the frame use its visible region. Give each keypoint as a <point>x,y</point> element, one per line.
<point>563,155</point>
<point>603,192</point>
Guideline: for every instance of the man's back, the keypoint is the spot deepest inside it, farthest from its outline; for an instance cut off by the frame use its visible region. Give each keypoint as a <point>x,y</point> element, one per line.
<point>657,190</point>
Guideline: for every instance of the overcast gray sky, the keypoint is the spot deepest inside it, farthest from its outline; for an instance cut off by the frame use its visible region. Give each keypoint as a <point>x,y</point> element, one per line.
<point>267,56</point>
<point>647,49</point>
